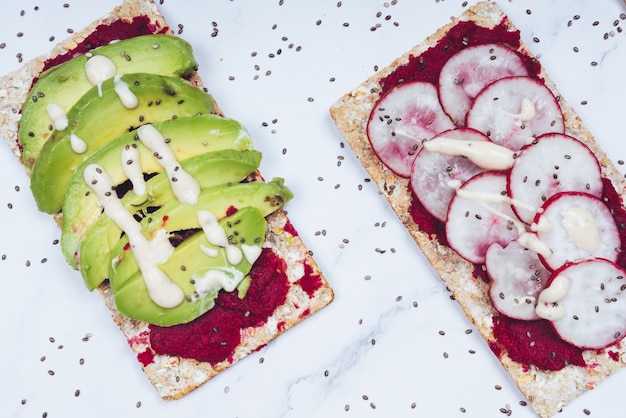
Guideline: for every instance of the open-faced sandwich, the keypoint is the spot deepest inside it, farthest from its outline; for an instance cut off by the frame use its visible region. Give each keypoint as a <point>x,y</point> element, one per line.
<point>507,194</point>
<point>159,198</point>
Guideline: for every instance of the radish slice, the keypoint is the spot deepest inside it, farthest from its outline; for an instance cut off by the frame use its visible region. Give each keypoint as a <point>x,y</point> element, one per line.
<point>552,164</point>
<point>435,176</point>
<point>406,116</point>
<point>516,278</point>
<point>479,215</point>
<point>576,226</point>
<point>469,71</point>
<point>586,302</point>
<point>514,110</point>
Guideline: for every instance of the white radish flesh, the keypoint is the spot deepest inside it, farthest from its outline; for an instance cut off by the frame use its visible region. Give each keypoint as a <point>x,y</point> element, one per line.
<point>553,163</point>
<point>480,215</point>
<point>576,226</point>
<point>593,307</point>
<point>406,116</point>
<point>469,71</point>
<point>514,110</point>
<point>435,176</point>
<point>516,278</point>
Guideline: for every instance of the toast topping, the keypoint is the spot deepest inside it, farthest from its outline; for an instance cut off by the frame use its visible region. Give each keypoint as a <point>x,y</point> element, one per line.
<point>185,187</point>
<point>98,69</point>
<point>524,201</point>
<point>148,253</point>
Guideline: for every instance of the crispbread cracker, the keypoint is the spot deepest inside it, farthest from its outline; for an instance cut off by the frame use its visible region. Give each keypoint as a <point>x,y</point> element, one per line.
<point>173,377</point>
<point>547,391</point>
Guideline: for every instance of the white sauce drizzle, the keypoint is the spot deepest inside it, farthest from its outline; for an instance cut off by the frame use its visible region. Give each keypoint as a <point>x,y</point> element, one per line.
<point>148,253</point>
<point>58,116</point>
<point>185,187</point>
<point>526,239</point>
<point>226,278</point>
<point>127,97</point>
<point>581,228</point>
<point>98,69</point>
<point>549,298</point>
<point>251,252</point>
<point>211,252</point>
<point>131,164</point>
<point>78,145</point>
<point>216,235</point>
<point>484,154</point>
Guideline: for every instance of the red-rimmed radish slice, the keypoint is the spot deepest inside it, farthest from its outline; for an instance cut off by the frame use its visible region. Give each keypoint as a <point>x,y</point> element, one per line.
<point>553,163</point>
<point>435,176</point>
<point>404,117</point>
<point>576,226</point>
<point>586,302</point>
<point>469,71</point>
<point>516,278</point>
<point>514,110</point>
<point>480,215</point>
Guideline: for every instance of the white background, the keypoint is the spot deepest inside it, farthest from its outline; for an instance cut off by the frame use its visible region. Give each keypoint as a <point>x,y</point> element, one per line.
<point>372,352</point>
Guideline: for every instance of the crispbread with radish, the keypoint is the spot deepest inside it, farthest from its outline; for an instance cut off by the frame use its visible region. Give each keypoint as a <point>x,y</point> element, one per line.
<point>503,289</point>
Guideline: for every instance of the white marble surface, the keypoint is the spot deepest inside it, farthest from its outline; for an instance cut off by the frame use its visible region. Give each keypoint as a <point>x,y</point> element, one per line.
<point>391,346</point>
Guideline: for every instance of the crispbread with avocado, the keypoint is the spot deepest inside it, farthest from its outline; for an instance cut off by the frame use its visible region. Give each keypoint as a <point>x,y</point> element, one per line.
<point>305,289</point>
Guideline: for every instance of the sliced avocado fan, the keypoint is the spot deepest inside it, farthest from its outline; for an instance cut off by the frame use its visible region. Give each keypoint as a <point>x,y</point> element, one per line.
<point>126,103</point>
<point>187,137</point>
<point>63,85</point>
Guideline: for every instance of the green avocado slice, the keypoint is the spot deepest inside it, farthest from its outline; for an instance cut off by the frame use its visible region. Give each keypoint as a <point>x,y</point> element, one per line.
<point>185,267</point>
<point>102,242</point>
<point>66,83</point>
<point>96,120</point>
<point>188,137</point>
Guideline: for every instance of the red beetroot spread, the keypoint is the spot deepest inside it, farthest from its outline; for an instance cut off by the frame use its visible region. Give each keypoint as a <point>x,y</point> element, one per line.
<point>105,34</point>
<point>213,336</point>
<point>534,342</point>
<point>310,281</point>
<point>548,352</point>
<point>428,66</point>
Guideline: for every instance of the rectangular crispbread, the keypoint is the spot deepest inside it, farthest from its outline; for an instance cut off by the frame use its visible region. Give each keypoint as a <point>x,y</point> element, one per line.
<point>547,391</point>
<point>174,377</point>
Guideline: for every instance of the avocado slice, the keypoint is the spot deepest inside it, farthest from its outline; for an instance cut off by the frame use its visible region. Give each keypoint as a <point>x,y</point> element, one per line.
<point>66,83</point>
<point>102,241</point>
<point>209,169</point>
<point>188,136</point>
<point>186,267</point>
<point>97,119</point>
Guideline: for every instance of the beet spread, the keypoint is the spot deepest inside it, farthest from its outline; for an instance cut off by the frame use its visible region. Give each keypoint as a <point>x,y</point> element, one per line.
<point>213,336</point>
<point>547,351</point>
<point>428,66</point>
<point>105,34</point>
<point>534,342</point>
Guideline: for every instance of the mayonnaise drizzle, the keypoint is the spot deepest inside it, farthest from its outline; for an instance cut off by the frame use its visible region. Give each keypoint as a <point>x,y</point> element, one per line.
<point>226,278</point>
<point>98,69</point>
<point>216,235</point>
<point>549,298</point>
<point>581,228</point>
<point>78,145</point>
<point>251,252</point>
<point>525,238</point>
<point>58,116</point>
<point>131,164</point>
<point>185,187</point>
<point>484,154</point>
<point>127,97</point>
<point>148,253</point>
